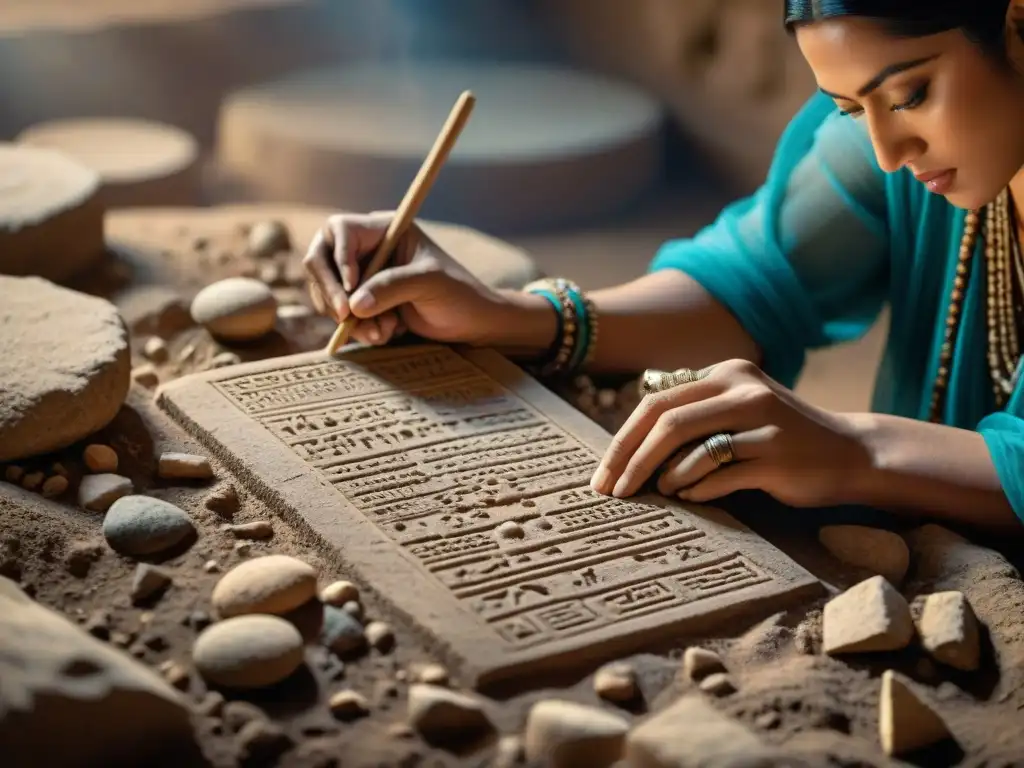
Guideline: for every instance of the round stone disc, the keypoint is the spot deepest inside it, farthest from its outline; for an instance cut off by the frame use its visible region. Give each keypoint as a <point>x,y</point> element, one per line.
<point>542,147</point>
<point>139,162</point>
<point>51,218</point>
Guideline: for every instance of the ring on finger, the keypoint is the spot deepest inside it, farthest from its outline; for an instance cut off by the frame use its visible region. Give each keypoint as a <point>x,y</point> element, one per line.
<point>655,380</point>
<point>720,449</point>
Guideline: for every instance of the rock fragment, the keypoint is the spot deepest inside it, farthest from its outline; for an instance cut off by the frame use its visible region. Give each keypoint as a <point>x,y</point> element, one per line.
<point>870,616</point>
<point>223,501</point>
<point>564,734</point>
<point>32,481</point>
<point>81,556</point>
<point>261,742</point>
<point>248,651</point>
<point>431,674</point>
<point>145,376</point>
<point>13,474</point>
<point>267,239</point>
<point>348,705</point>
<point>148,582</point>
<point>341,632</point>
<point>97,492</point>
<point>873,549</point>
<point>155,349</point>
<point>441,715</point>
<point>717,684</point>
<point>699,662</point>
<point>616,682</point>
<point>273,584</point>
<point>100,458</point>
<point>380,636</point>
<point>949,630</point>
<point>54,486</point>
<point>183,466</point>
<point>906,723</point>
<point>142,525</point>
<point>236,309</point>
<point>257,530</point>
<point>339,592</point>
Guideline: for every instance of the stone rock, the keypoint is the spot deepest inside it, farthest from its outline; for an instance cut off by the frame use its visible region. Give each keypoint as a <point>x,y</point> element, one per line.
<point>100,458</point>
<point>236,309</point>
<point>183,466</point>
<point>339,592</point>
<point>56,676</point>
<point>148,581</point>
<point>97,493</point>
<point>347,705</point>
<point>261,742</point>
<point>54,486</point>
<point>949,630</point>
<point>564,734</point>
<point>873,549</point>
<point>699,662</point>
<point>870,616</point>
<point>32,481</point>
<point>717,684</point>
<point>341,632</point>
<point>259,529</point>
<point>353,608</point>
<point>248,651</point>
<point>13,474</point>
<point>905,722</point>
<point>224,359</point>
<point>142,525</point>
<point>65,366</point>
<point>145,376</point>
<point>81,555</point>
<point>223,501</point>
<point>51,217</point>
<point>268,238</point>
<point>238,713</point>
<point>510,529</point>
<point>155,349</point>
<point>440,715</point>
<point>154,310</point>
<point>616,682</point>
<point>273,584</point>
<point>380,636</point>
<point>431,674</point>
<point>690,733</point>
<point>176,674</point>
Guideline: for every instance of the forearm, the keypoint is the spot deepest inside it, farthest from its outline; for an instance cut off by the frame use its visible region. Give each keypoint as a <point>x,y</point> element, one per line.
<point>663,320</point>
<point>928,470</point>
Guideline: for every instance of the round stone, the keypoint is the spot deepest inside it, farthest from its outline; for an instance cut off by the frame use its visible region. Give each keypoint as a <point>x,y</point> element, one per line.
<point>141,525</point>
<point>51,217</point>
<point>236,309</point>
<point>876,550</point>
<point>100,458</point>
<point>248,651</point>
<point>340,592</point>
<point>544,146</point>
<point>341,631</point>
<point>65,365</point>
<point>267,239</point>
<point>139,162</point>
<point>272,584</point>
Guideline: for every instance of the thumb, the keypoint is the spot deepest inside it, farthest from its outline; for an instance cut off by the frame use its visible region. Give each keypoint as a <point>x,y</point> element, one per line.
<point>393,286</point>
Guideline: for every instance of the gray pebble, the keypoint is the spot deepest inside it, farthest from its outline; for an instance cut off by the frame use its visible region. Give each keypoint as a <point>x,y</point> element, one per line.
<point>341,632</point>
<point>97,492</point>
<point>141,525</point>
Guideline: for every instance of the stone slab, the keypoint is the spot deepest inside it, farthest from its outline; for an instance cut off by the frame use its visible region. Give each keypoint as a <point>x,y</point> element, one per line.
<point>404,461</point>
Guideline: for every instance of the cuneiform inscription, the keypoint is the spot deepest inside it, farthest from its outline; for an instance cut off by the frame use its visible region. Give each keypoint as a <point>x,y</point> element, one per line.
<point>438,456</point>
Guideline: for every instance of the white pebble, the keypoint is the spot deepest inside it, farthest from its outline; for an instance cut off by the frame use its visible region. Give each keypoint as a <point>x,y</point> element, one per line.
<point>184,466</point>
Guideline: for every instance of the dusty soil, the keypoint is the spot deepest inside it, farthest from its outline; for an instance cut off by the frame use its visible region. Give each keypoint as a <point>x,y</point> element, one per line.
<point>820,708</point>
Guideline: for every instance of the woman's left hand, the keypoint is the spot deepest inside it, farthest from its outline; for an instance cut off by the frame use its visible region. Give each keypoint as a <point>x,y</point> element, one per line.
<point>800,454</point>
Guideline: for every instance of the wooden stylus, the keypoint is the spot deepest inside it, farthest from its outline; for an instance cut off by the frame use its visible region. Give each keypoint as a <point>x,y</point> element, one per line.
<point>411,203</point>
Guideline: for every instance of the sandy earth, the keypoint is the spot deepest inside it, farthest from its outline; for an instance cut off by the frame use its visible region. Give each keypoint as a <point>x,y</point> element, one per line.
<point>818,707</point>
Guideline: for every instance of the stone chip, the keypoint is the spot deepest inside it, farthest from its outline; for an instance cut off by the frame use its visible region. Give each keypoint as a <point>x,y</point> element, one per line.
<point>183,466</point>
<point>870,616</point>
<point>949,630</point>
<point>564,734</point>
<point>906,723</point>
<point>440,715</point>
<point>97,492</point>
<point>873,549</point>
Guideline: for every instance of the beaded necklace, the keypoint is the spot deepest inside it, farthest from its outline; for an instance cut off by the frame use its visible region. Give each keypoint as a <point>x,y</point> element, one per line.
<point>1005,286</point>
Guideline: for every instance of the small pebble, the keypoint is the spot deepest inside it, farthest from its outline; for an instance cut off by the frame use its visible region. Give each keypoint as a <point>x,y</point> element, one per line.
<point>347,705</point>
<point>97,493</point>
<point>906,723</point>
<point>699,662</point>
<point>155,349</point>
<point>616,682</point>
<point>55,486</point>
<point>356,609</point>
<point>148,582</point>
<point>267,239</point>
<point>273,584</point>
<point>768,721</point>
<point>242,548</point>
<point>238,713</point>
<point>225,360</point>
<point>380,636</point>
<point>183,466</point>
<point>510,529</point>
<point>13,474</point>
<point>431,674</point>
<point>339,592</point>
<point>260,529</point>
<point>223,501</point>
<point>32,480</point>
<point>868,617</point>
<point>261,742</point>
<point>98,624</point>
<point>145,376</point>
<point>248,651</point>
<point>198,620</point>
<point>175,673</point>
<point>81,555</point>
<point>211,566</point>
<point>270,273</point>
<point>121,639</point>
<point>717,684</point>
<point>58,469</point>
<point>439,714</point>
<point>142,525</point>
<point>569,734</point>
<point>340,632</point>
<point>236,309</point>
<point>100,458</point>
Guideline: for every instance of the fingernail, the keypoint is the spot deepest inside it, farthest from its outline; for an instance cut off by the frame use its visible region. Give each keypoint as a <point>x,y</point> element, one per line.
<point>621,487</point>
<point>684,495</point>
<point>599,482</point>
<point>363,302</point>
<point>347,278</point>
<point>374,335</point>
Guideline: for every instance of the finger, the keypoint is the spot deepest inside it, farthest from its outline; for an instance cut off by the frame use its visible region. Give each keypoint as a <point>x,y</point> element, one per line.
<point>694,463</point>
<point>393,287</point>
<point>367,332</point>
<point>318,299</point>
<point>640,422</point>
<point>354,238</point>
<point>741,476</point>
<point>319,270</point>
<point>386,323</point>
<point>676,427</point>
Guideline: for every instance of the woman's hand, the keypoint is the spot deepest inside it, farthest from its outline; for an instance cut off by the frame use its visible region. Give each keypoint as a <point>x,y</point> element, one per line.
<point>802,455</point>
<point>421,289</point>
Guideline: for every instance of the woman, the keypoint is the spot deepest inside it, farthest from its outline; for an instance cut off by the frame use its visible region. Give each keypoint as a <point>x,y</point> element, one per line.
<point>899,182</point>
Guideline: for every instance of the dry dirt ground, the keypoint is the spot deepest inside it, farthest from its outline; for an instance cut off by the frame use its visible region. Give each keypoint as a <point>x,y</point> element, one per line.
<point>818,707</point>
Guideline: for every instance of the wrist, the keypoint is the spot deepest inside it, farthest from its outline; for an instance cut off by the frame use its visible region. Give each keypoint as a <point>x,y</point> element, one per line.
<point>523,325</point>
<point>866,478</point>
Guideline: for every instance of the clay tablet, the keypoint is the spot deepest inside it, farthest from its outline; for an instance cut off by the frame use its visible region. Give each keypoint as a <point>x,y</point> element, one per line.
<point>404,461</point>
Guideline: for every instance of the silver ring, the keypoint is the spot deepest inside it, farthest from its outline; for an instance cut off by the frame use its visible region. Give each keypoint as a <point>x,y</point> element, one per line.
<point>658,381</point>
<point>720,449</point>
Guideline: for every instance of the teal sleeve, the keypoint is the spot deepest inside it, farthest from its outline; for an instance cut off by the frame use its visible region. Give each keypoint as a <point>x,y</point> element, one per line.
<point>1004,436</point>
<point>803,262</point>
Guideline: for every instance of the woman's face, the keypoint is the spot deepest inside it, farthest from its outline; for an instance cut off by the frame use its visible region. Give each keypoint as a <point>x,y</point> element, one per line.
<point>935,104</point>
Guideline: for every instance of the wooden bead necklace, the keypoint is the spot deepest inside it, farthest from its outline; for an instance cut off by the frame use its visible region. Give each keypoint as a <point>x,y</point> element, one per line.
<point>1005,288</point>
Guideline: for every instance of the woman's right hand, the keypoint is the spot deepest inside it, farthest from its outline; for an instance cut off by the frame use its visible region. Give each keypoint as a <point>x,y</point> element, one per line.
<point>421,289</point>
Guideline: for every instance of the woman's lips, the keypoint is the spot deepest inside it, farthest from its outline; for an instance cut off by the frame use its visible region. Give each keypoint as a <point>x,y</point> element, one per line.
<point>939,182</point>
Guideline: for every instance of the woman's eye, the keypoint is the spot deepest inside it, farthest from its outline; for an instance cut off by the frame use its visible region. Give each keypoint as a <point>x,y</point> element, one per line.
<point>916,99</point>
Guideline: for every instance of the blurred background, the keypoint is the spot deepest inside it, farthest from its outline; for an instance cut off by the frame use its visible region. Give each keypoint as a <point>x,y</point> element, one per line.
<point>603,128</point>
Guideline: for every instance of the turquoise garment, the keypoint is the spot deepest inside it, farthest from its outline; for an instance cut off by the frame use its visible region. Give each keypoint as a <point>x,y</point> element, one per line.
<point>810,259</point>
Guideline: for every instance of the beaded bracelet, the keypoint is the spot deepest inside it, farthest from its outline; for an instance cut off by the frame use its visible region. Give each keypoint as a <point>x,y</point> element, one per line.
<point>577,333</point>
